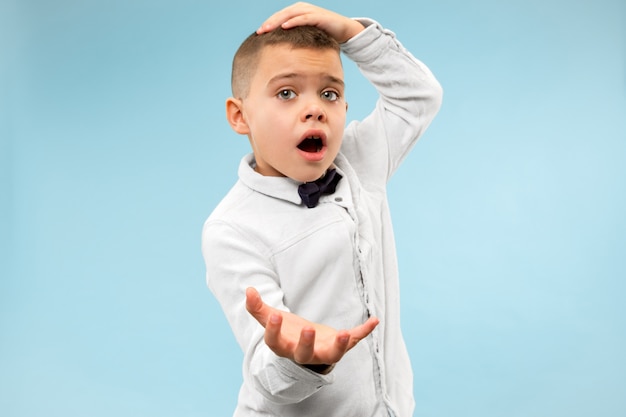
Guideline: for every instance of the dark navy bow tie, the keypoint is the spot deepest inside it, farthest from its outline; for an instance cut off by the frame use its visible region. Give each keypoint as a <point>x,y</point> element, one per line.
<point>310,192</point>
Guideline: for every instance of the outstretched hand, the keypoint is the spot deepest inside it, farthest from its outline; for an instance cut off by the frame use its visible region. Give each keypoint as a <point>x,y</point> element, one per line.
<point>341,28</point>
<point>307,343</point>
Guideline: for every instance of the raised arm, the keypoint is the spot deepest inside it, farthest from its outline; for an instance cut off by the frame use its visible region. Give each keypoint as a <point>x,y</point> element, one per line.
<point>409,99</point>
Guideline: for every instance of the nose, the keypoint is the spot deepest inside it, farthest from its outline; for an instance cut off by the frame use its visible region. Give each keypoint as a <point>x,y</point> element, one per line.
<point>314,111</point>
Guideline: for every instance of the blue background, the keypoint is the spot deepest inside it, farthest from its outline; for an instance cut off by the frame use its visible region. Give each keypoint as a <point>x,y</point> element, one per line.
<point>510,213</point>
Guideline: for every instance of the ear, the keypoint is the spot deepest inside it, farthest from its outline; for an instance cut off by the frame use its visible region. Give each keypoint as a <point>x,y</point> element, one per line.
<point>234,115</point>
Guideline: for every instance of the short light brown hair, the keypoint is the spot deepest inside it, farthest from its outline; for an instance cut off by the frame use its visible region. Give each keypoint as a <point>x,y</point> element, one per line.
<point>247,56</point>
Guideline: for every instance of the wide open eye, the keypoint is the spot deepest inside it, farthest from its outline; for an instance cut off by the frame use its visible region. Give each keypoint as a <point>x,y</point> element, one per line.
<point>330,95</point>
<point>286,94</point>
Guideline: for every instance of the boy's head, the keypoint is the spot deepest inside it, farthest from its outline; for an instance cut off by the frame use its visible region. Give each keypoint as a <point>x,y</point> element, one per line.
<point>288,98</point>
<point>247,56</point>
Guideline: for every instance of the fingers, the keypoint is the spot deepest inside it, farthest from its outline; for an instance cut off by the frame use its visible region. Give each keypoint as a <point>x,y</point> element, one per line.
<point>340,347</point>
<point>282,17</point>
<point>272,332</point>
<point>305,352</point>
<point>339,27</point>
<point>305,349</point>
<point>256,307</point>
<point>347,339</point>
<point>268,317</point>
<point>253,300</point>
<point>292,337</point>
<point>283,345</point>
<point>343,342</point>
<point>360,332</point>
<point>301,19</point>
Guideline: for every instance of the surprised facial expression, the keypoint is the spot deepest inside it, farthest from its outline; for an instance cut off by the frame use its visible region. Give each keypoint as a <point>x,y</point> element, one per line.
<point>295,111</point>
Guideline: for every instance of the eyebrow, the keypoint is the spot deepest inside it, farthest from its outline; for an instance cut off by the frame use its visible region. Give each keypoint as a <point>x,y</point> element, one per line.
<point>294,75</point>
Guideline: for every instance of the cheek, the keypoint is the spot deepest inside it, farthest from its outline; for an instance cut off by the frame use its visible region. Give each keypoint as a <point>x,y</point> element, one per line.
<point>339,121</point>
<point>278,121</point>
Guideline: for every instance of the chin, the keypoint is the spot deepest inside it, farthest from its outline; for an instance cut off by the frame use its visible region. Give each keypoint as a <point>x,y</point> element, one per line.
<point>308,176</point>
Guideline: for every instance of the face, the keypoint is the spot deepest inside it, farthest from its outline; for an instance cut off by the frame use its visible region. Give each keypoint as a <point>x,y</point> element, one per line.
<point>295,112</point>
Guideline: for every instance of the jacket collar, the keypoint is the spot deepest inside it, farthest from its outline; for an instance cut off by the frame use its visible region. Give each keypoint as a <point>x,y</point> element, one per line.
<point>283,188</point>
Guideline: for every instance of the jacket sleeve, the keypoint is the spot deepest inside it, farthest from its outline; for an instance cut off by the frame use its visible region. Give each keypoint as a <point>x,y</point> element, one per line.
<point>235,261</point>
<point>409,99</point>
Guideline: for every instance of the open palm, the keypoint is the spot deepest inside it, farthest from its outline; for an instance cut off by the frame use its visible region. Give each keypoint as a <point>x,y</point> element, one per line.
<point>307,343</point>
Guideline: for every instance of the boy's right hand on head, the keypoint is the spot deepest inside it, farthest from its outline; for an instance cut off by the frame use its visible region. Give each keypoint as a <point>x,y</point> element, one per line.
<point>306,343</point>
<point>341,28</point>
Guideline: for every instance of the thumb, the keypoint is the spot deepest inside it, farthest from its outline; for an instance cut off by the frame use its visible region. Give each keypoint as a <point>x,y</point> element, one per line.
<point>255,305</point>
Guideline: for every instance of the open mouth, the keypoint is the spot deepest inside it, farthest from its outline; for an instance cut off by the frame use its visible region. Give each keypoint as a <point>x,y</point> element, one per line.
<point>311,144</point>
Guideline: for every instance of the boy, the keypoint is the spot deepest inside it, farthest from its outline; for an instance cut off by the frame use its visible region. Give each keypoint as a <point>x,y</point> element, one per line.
<point>304,236</point>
